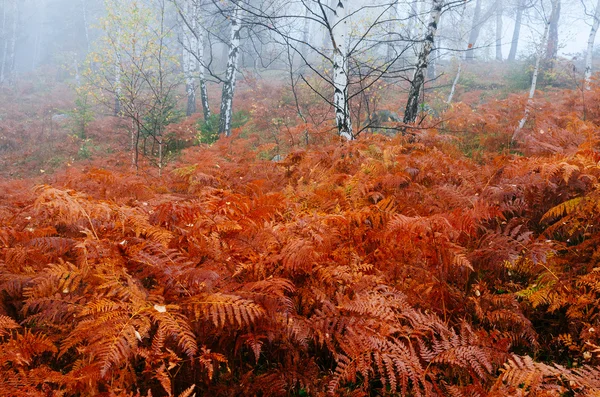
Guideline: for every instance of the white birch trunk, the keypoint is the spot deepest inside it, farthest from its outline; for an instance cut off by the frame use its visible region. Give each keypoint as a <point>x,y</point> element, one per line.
<point>230,73</point>
<point>190,44</point>
<point>590,47</point>
<point>201,64</point>
<point>454,83</point>
<point>536,70</point>
<point>339,36</point>
<point>412,104</point>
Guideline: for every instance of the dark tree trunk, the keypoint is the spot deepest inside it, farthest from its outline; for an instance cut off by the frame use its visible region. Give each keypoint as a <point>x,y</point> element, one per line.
<point>499,12</point>
<point>478,21</point>
<point>512,55</point>
<point>552,47</point>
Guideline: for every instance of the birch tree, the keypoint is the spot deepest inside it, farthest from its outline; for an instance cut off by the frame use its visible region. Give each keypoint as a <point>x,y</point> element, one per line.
<point>189,37</point>
<point>226,114</point>
<point>590,47</point>
<point>418,80</point>
<point>540,53</point>
<point>133,65</point>
<point>339,38</point>
<point>354,54</point>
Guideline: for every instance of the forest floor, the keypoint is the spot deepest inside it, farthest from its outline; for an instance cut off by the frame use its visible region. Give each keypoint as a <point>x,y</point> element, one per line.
<point>448,262</point>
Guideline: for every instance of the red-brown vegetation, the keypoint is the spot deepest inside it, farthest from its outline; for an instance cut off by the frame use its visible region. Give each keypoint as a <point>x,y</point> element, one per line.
<point>440,265</point>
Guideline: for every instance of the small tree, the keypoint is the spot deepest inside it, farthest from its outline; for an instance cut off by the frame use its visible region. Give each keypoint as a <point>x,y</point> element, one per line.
<point>132,64</point>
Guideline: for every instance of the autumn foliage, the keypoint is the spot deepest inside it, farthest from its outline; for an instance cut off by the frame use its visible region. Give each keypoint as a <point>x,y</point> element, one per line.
<point>437,265</point>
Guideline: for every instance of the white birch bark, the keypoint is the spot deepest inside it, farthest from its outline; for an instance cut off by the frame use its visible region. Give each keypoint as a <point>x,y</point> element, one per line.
<point>590,47</point>
<point>412,104</point>
<point>339,35</point>
<point>455,82</point>
<point>189,61</point>
<point>230,72</point>
<point>536,70</point>
<point>201,63</point>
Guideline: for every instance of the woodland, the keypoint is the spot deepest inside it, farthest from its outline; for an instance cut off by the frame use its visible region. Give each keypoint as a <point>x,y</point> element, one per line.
<point>305,240</point>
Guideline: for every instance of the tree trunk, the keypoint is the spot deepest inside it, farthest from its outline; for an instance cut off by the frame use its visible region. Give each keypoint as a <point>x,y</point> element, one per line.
<point>85,25</point>
<point>230,73</point>
<point>339,36</point>
<point>431,68</point>
<point>413,18</point>
<point>478,22</point>
<point>189,62</point>
<point>5,47</point>
<point>552,49</point>
<point>536,71</point>
<point>455,82</point>
<point>412,104</point>
<point>305,32</point>
<point>590,47</point>
<point>499,12</point>
<point>12,46</point>
<point>201,63</point>
<point>512,55</point>
<point>391,27</point>
<point>118,66</point>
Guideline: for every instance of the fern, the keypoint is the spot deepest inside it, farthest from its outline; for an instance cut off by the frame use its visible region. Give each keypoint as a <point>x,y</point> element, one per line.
<point>222,310</point>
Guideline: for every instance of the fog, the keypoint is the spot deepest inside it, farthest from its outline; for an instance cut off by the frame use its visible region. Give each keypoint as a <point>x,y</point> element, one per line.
<point>55,33</point>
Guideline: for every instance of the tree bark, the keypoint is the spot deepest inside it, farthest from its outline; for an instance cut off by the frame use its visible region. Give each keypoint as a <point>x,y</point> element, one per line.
<point>413,17</point>
<point>499,12</point>
<point>12,45</point>
<point>189,62</point>
<point>412,104</point>
<point>339,35</point>
<point>536,71</point>
<point>512,55</point>
<point>590,47</point>
<point>201,66</point>
<point>305,31</point>
<point>552,49</point>
<point>230,73</point>
<point>455,82</point>
<point>478,21</point>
